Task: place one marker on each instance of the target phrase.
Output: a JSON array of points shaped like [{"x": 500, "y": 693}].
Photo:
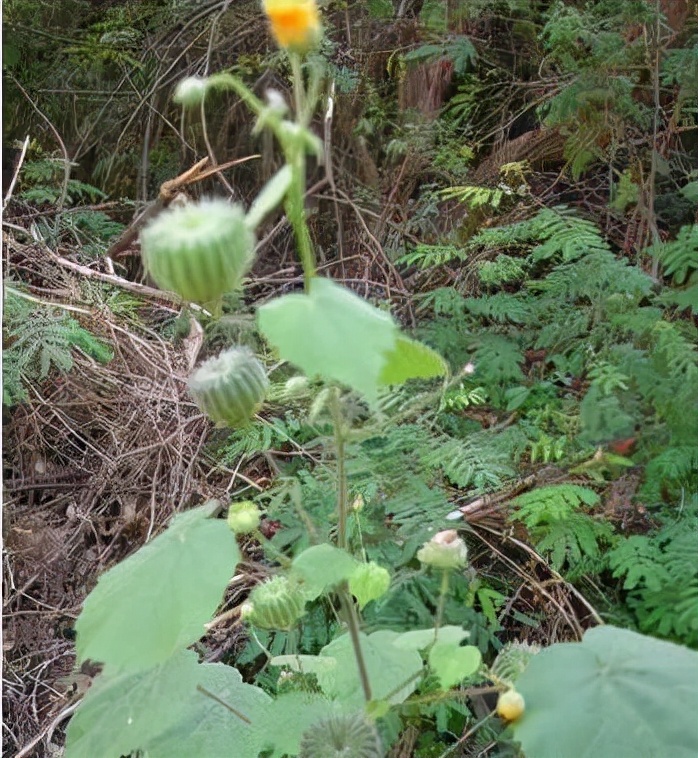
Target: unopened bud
[
  {"x": 445, "y": 550},
  {"x": 190, "y": 91},
  {"x": 243, "y": 517}
]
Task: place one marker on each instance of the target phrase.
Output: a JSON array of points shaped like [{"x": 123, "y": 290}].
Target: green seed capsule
[
  {"x": 276, "y": 604},
  {"x": 348, "y": 736},
  {"x": 231, "y": 387},
  {"x": 200, "y": 251}
]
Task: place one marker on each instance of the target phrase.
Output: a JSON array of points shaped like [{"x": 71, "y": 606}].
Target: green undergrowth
[{"x": 571, "y": 360}]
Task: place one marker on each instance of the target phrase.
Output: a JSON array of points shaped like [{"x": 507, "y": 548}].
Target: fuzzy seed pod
[
  {"x": 200, "y": 251},
  {"x": 512, "y": 661},
  {"x": 276, "y": 604},
  {"x": 230, "y": 388},
  {"x": 351, "y": 736}
]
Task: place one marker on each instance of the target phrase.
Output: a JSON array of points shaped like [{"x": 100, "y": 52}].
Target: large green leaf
[
  {"x": 157, "y": 601},
  {"x": 391, "y": 670},
  {"x": 616, "y": 694},
  {"x": 320, "y": 567},
  {"x": 161, "y": 713},
  {"x": 332, "y": 333},
  {"x": 411, "y": 360}
]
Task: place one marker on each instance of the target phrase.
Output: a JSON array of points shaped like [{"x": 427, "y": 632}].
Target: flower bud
[
  {"x": 190, "y": 91},
  {"x": 243, "y": 517},
  {"x": 369, "y": 581},
  {"x": 510, "y": 705},
  {"x": 445, "y": 550}
]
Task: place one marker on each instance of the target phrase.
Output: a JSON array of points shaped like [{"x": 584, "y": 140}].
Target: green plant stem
[
  {"x": 295, "y": 210},
  {"x": 298, "y": 88},
  {"x": 295, "y": 155},
  {"x": 348, "y": 607},
  {"x": 352, "y": 619},
  {"x": 222, "y": 702},
  {"x": 342, "y": 495},
  {"x": 272, "y": 550},
  {"x": 443, "y": 593}
]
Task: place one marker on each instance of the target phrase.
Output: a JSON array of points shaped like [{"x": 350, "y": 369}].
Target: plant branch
[
  {"x": 342, "y": 495},
  {"x": 352, "y": 619}
]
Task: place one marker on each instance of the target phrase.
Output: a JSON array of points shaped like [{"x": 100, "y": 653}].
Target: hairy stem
[
  {"x": 342, "y": 494},
  {"x": 295, "y": 210},
  {"x": 443, "y": 593},
  {"x": 352, "y": 619},
  {"x": 295, "y": 155}
]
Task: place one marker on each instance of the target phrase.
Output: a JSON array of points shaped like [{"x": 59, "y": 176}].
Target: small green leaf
[
  {"x": 332, "y": 333},
  {"x": 419, "y": 639},
  {"x": 616, "y": 693},
  {"x": 157, "y": 601},
  {"x": 452, "y": 663},
  {"x": 319, "y": 567},
  {"x": 160, "y": 713},
  {"x": 270, "y": 197},
  {"x": 411, "y": 360},
  {"x": 516, "y": 397}
]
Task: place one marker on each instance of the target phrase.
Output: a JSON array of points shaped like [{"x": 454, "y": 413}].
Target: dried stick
[{"x": 18, "y": 167}]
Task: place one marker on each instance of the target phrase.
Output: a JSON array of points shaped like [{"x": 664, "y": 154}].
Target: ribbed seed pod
[
  {"x": 349, "y": 736},
  {"x": 276, "y": 604},
  {"x": 512, "y": 661},
  {"x": 231, "y": 387},
  {"x": 199, "y": 250}
]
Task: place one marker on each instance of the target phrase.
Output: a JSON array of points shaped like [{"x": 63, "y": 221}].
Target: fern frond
[
  {"x": 430, "y": 256},
  {"x": 593, "y": 277},
  {"x": 41, "y": 339},
  {"x": 443, "y": 301},
  {"x": 259, "y": 437},
  {"x": 476, "y": 197},
  {"x": 482, "y": 462},
  {"x": 545, "y": 504},
  {"x": 566, "y": 236},
  {"x": 675, "y": 466},
  {"x": 501, "y": 307},
  {"x": 679, "y": 258},
  {"x": 673, "y": 350},
  {"x": 569, "y": 541},
  {"x": 498, "y": 360},
  {"x": 636, "y": 560},
  {"x": 503, "y": 270},
  {"x": 568, "y": 537}
]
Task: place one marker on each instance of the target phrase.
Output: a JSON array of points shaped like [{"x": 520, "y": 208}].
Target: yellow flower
[{"x": 295, "y": 24}]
